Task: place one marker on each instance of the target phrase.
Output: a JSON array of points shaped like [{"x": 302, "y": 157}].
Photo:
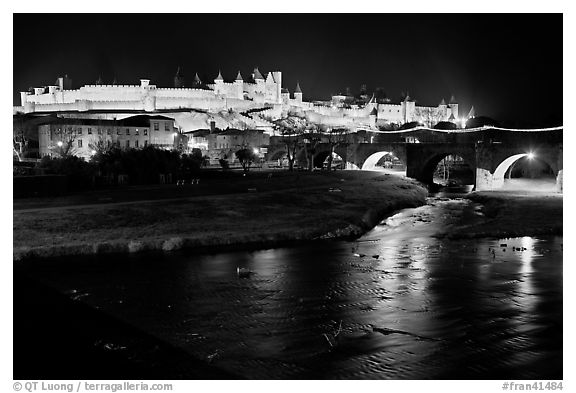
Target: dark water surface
[{"x": 397, "y": 303}]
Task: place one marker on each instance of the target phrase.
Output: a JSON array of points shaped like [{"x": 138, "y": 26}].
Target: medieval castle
[{"x": 256, "y": 100}]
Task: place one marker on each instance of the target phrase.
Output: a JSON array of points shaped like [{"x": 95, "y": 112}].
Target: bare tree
[
  {"x": 64, "y": 145},
  {"x": 336, "y": 136},
  {"x": 310, "y": 140},
  {"x": 100, "y": 143},
  {"x": 291, "y": 130},
  {"x": 19, "y": 138}
]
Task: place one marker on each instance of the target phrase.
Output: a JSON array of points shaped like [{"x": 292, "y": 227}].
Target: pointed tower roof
[
  {"x": 197, "y": 80},
  {"x": 407, "y": 97},
  {"x": 472, "y": 113},
  {"x": 178, "y": 72},
  {"x": 257, "y": 74},
  {"x": 451, "y": 118},
  {"x": 99, "y": 81},
  {"x": 270, "y": 78},
  {"x": 298, "y": 89},
  {"x": 114, "y": 82},
  {"x": 453, "y": 99},
  {"x": 219, "y": 77},
  {"x": 372, "y": 100},
  {"x": 443, "y": 102},
  {"x": 374, "y": 111},
  {"x": 239, "y": 76}
]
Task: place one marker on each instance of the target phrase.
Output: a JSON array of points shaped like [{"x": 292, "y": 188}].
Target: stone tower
[
  {"x": 179, "y": 79},
  {"x": 239, "y": 84},
  {"x": 298, "y": 93},
  {"x": 196, "y": 82},
  {"x": 453, "y": 105},
  {"x": 219, "y": 84},
  {"x": 259, "y": 80},
  {"x": 443, "y": 111}
]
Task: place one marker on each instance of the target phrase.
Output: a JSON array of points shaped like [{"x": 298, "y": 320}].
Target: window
[
  {"x": 166, "y": 126},
  {"x": 118, "y": 132},
  {"x": 79, "y": 142},
  {"x": 128, "y": 143},
  {"x": 127, "y": 131},
  {"x": 99, "y": 131},
  {"x": 109, "y": 131},
  {"x": 70, "y": 130},
  {"x": 79, "y": 130},
  {"x": 156, "y": 126},
  {"x": 145, "y": 143},
  {"x": 89, "y": 130},
  {"x": 145, "y": 131},
  {"x": 136, "y": 143}
]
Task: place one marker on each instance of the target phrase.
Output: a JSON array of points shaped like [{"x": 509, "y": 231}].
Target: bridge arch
[
  {"x": 500, "y": 172},
  {"x": 276, "y": 155},
  {"x": 426, "y": 172},
  {"x": 374, "y": 158}
]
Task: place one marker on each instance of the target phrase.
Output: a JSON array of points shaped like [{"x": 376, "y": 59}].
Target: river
[{"x": 400, "y": 302}]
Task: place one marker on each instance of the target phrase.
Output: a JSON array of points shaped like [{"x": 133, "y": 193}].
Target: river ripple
[{"x": 397, "y": 303}]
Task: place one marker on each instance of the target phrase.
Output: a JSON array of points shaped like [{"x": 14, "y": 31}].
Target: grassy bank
[
  {"x": 245, "y": 211},
  {"x": 512, "y": 214}
]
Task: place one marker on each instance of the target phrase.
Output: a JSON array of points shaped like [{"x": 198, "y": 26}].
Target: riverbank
[
  {"x": 511, "y": 214},
  {"x": 249, "y": 211},
  {"x": 62, "y": 338}
]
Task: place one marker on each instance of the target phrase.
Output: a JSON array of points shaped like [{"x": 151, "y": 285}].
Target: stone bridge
[{"x": 488, "y": 151}]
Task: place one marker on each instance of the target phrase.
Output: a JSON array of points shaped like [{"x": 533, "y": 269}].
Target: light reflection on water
[{"x": 411, "y": 305}]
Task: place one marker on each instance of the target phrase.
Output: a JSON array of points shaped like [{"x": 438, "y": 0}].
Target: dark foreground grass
[{"x": 303, "y": 206}]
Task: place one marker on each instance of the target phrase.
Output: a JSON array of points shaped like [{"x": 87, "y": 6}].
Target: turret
[
  {"x": 298, "y": 93},
  {"x": 178, "y": 79},
  {"x": 196, "y": 82},
  {"x": 285, "y": 96},
  {"x": 64, "y": 83},
  {"x": 442, "y": 110},
  {"x": 219, "y": 84},
  {"x": 373, "y": 117},
  {"x": 239, "y": 83},
  {"x": 408, "y": 108},
  {"x": 453, "y": 105},
  {"x": 259, "y": 79},
  {"x": 271, "y": 93},
  {"x": 278, "y": 78},
  {"x": 23, "y": 97}
]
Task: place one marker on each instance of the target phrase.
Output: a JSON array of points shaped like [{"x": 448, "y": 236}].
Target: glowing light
[
  {"x": 59, "y": 143},
  {"x": 175, "y": 134},
  {"x": 256, "y": 151},
  {"x": 531, "y": 156},
  {"x": 93, "y": 152}
]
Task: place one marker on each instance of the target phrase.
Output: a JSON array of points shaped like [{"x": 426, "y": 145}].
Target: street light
[
  {"x": 59, "y": 143},
  {"x": 531, "y": 156}
]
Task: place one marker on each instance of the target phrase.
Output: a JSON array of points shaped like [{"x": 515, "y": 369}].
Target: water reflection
[{"x": 410, "y": 305}]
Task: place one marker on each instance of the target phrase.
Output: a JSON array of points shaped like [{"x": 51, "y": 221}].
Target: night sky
[{"x": 508, "y": 66}]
